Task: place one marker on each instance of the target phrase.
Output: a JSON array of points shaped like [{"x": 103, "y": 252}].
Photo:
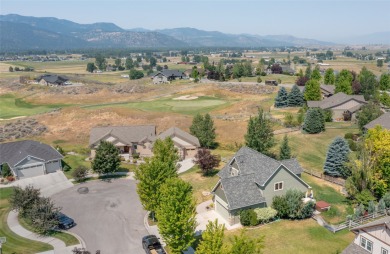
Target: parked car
[
  {"x": 152, "y": 245},
  {"x": 65, "y": 222}
]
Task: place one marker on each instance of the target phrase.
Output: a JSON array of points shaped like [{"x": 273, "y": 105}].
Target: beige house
[
  {"x": 186, "y": 144},
  {"x": 344, "y": 107},
  {"x": 383, "y": 120},
  {"x": 128, "y": 139},
  {"x": 373, "y": 237}
]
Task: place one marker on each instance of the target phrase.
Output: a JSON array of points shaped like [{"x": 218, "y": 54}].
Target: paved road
[{"x": 109, "y": 217}]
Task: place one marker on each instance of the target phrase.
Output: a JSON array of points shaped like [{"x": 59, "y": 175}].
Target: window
[
  {"x": 233, "y": 172},
  {"x": 278, "y": 186},
  {"x": 365, "y": 244},
  {"x": 384, "y": 251}
]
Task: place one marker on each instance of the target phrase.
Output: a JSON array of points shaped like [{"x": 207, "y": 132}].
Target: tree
[
  {"x": 384, "y": 82},
  {"x": 203, "y": 128},
  {"x": 11, "y": 69},
  {"x": 356, "y": 87},
  {"x": 80, "y": 173},
  {"x": 316, "y": 75},
  {"x": 129, "y": 64},
  {"x": 314, "y": 121},
  {"x": 135, "y": 74},
  {"x": 206, "y": 161},
  {"x": 43, "y": 215},
  {"x": 285, "y": 150},
  {"x": 5, "y": 170},
  {"x": 344, "y": 75},
  {"x": 243, "y": 244},
  {"x": 308, "y": 72},
  {"x": 22, "y": 200},
  {"x": 312, "y": 91},
  {"x": 368, "y": 83},
  {"x": 176, "y": 214},
  {"x": 212, "y": 239},
  {"x": 153, "y": 61},
  {"x": 368, "y": 113},
  {"x": 295, "y": 97},
  {"x": 343, "y": 86},
  {"x": 101, "y": 62},
  {"x": 166, "y": 152},
  {"x": 337, "y": 157},
  {"x": 91, "y": 67},
  {"x": 379, "y": 63},
  {"x": 329, "y": 77},
  {"x": 118, "y": 62},
  {"x": 276, "y": 69},
  {"x": 281, "y": 99},
  {"x": 106, "y": 159},
  {"x": 259, "y": 136},
  {"x": 301, "y": 81}
]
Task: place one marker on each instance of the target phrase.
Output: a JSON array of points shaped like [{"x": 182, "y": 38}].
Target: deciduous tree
[
  {"x": 368, "y": 113},
  {"x": 91, "y": 67},
  {"x": 384, "y": 82},
  {"x": 106, "y": 159},
  {"x": 312, "y": 91},
  {"x": 243, "y": 244},
  {"x": 212, "y": 239},
  {"x": 368, "y": 83},
  {"x": 101, "y": 62},
  {"x": 206, "y": 161},
  {"x": 135, "y": 74}
]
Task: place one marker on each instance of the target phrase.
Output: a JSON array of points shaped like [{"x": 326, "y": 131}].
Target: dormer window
[{"x": 233, "y": 172}]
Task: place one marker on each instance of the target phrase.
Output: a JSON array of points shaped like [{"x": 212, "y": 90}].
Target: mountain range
[{"x": 25, "y": 33}]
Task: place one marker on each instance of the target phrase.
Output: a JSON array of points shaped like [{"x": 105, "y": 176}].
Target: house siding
[
  {"x": 379, "y": 236},
  {"x": 145, "y": 150},
  {"x": 220, "y": 193},
  {"x": 289, "y": 182}
]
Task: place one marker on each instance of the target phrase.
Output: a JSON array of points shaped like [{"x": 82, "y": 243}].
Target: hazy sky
[{"x": 317, "y": 19}]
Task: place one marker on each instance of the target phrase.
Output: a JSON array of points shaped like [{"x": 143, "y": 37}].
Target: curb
[
  {"x": 81, "y": 240},
  {"x": 146, "y": 224}
]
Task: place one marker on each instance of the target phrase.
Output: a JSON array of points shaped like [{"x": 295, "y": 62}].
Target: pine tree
[
  {"x": 281, "y": 98},
  {"x": 5, "y": 170},
  {"x": 316, "y": 75},
  {"x": 212, "y": 239},
  {"x": 107, "y": 158},
  {"x": 312, "y": 90},
  {"x": 176, "y": 214},
  {"x": 329, "y": 77},
  {"x": 336, "y": 157},
  {"x": 285, "y": 150},
  {"x": 314, "y": 121},
  {"x": 260, "y": 136},
  {"x": 295, "y": 97}
]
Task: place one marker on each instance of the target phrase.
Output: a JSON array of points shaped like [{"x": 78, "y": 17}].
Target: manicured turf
[
  {"x": 16, "y": 244},
  {"x": 14, "y": 107},
  {"x": 202, "y": 104}
]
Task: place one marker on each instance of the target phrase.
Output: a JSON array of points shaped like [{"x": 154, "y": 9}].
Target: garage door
[
  {"x": 30, "y": 171},
  {"x": 222, "y": 211}
]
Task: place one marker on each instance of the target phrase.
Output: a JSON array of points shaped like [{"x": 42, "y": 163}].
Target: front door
[{"x": 126, "y": 149}]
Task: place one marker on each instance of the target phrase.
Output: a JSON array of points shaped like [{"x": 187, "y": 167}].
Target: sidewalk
[{"x": 58, "y": 245}]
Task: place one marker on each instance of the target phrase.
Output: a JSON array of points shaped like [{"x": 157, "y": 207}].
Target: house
[
  {"x": 186, "y": 144},
  {"x": 30, "y": 158},
  {"x": 343, "y": 106},
  {"x": 251, "y": 180},
  {"x": 327, "y": 90},
  {"x": 373, "y": 237},
  {"x": 383, "y": 120},
  {"x": 52, "y": 80},
  {"x": 165, "y": 76},
  {"x": 128, "y": 139}
]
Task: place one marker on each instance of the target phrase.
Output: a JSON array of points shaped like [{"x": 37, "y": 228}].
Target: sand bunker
[{"x": 186, "y": 98}]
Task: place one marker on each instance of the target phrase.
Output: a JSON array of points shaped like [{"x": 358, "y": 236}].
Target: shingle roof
[
  {"x": 53, "y": 78},
  {"x": 170, "y": 73},
  {"x": 384, "y": 221},
  {"x": 328, "y": 88},
  {"x": 174, "y": 131},
  {"x": 14, "y": 152},
  {"x": 127, "y": 134},
  {"x": 354, "y": 249},
  {"x": 335, "y": 100},
  {"x": 383, "y": 120}
]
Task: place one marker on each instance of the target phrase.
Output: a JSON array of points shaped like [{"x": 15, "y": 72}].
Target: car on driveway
[
  {"x": 64, "y": 222},
  {"x": 152, "y": 245}
]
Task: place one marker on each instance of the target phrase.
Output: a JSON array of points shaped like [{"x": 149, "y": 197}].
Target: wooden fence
[{"x": 331, "y": 179}]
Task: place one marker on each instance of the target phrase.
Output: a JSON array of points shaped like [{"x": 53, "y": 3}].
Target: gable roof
[
  {"x": 14, "y": 152},
  {"x": 383, "y": 221},
  {"x": 174, "y": 131},
  {"x": 170, "y": 73},
  {"x": 328, "y": 88},
  {"x": 335, "y": 100},
  {"x": 383, "y": 120},
  {"x": 127, "y": 134},
  {"x": 50, "y": 78}
]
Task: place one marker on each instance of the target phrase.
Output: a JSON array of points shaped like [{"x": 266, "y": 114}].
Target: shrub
[
  {"x": 348, "y": 135},
  {"x": 328, "y": 114},
  {"x": 352, "y": 145},
  {"x": 289, "y": 120},
  {"x": 10, "y": 178},
  {"x": 80, "y": 173},
  {"x": 5, "y": 170},
  {"x": 279, "y": 203},
  {"x": 66, "y": 168},
  {"x": 265, "y": 215},
  {"x": 386, "y": 199},
  {"x": 307, "y": 210},
  {"x": 291, "y": 206},
  {"x": 259, "y": 80},
  {"x": 135, "y": 155},
  {"x": 364, "y": 197},
  {"x": 359, "y": 211},
  {"x": 248, "y": 218}
]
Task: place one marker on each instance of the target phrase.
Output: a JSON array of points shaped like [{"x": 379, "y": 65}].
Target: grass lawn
[
  {"x": 16, "y": 244},
  {"x": 304, "y": 236},
  {"x": 202, "y": 104},
  {"x": 74, "y": 161},
  {"x": 14, "y": 107}
]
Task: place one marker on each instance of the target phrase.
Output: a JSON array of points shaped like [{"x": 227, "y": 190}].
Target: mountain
[{"x": 374, "y": 38}]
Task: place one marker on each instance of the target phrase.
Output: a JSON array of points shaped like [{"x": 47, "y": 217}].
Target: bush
[
  {"x": 265, "y": 215},
  {"x": 248, "y": 218},
  {"x": 5, "y": 170},
  {"x": 259, "y": 80},
  {"x": 352, "y": 145},
  {"x": 279, "y": 203},
  {"x": 66, "y": 168},
  {"x": 80, "y": 173},
  {"x": 364, "y": 197},
  {"x": 386, "y": 199},
  {"x": 328, "y": 115},
  {"x": 348, "y": 135},
  {"x": 135, "y": 155},
  {"x": 290, "y": 206},
  {"x": 307, "y": 210}
]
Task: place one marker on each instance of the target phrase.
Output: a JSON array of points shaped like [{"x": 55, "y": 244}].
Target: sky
[{"x": 330, "y": 20}]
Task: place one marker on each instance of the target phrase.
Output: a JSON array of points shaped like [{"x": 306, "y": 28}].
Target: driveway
[{"x": 109, "y": 218}]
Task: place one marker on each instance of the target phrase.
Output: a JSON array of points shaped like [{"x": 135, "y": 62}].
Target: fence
[{"x": 331, "y": 179}]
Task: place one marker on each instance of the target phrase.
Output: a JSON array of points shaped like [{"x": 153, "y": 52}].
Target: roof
[
  {"x": 174, "y": 131},
  {"x": 170, "y": 73},
  {"x": 335, "y": 100},
  {"x": 354, "y": 249},
  {"x": 328, "y": 88},
  {"x": 14, "y": 152},
  {"x": 127, "y": 134},
  {"x": 53, "y": 78},
  {"x": 322, "y": 204},
  {"x": 383, "y": 120},
  {"x": 383, "y": 221},
  {"x": 255, "y": 169}
]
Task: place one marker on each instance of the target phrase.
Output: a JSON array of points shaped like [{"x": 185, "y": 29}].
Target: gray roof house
[
  {"x": 383, "y": 120},
  {"x": 30, "y": 158},
  {"x": 343, "y": 106},
  {"x": 251, "y": 180},
  {"x": 165, "y": 76},
  {"x": 327, "y": 90},
  {"x": 373, "y": 237},
  {"x": 52, "y": 80}
]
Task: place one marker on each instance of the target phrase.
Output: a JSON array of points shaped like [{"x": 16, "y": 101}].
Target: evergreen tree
[
  {"x": 5, "y": 170},
  {"x": 106, "y": 159},
  {"x": 91, "y": 67},
  {"x": 308, "y": 72},
  {"x": 329, "y": 77},
  {"x": 295, "y": 97},
  {"x": 285, "y": 150},
  {"x": 203, "y": 128},
  {"x": 212, "y": 239},
  {"x": 260, "y": 136},
  {"x": 316, "y": 75},
  {"x": 336, "y": 157},
  {"x": 129, "y": 64},
  {"x": 312, "y": 90},
  {"x": 281, "y": 98},
  {"x": 176, "y": 214},
  {"x": 314, "y": 121}
]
